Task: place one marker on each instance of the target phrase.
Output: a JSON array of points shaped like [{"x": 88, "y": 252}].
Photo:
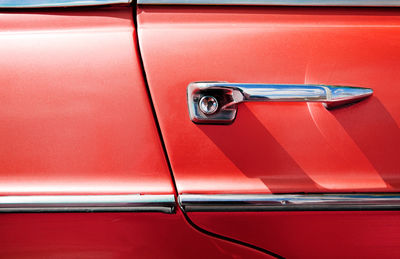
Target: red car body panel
[
  {"x": 312, "y": 234},
  {"x": 282, "y": 147},
  {"x": 110, "y": 235},
  {"x": 277, "y": 147},
  {"x": 75, "y": 117}
]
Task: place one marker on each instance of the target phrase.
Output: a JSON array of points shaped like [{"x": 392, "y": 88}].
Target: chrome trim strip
[
  {"x": 57, "y": 3},
  {"x": 288, "y": 202},
  {"x": 366, "y": 3},
  {"x": 88, "y": 203}
]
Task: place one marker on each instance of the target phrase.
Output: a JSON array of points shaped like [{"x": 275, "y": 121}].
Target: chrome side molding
[
  {"x": 57, "y": 3},
  {"x": 88, "y": 203},
  {"x": 198, "y": 202},
  {"x": 216, "y": 102},
  {"x": 366, "y": 3},
  {"x": 288, "y": 202}
]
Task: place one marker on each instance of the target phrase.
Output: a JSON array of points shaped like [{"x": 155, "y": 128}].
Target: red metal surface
[
  {"x": 277, "y": 147},
  {"x": 75, "y": 119},
  {"x": 74, "y": 113},
  {"x": 110, "y": 235},
  {"x": 350, "y": 234}
]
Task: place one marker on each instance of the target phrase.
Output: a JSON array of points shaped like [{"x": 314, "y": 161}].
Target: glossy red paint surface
[
  {"x": 110, "y": 235},
  {"x": 342, "y": 234},
  {"x": 277, "y": 147},
  {"x": 74, "y": 113},
  {"x": 75, "y": 119}
]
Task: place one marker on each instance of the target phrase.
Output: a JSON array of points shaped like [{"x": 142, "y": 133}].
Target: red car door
[
  {"x": 294, "y": 178},
  {"x": 82, "y": 168}
]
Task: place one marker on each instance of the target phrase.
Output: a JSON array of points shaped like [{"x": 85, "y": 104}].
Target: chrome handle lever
[{"x": 216, "y": 102}]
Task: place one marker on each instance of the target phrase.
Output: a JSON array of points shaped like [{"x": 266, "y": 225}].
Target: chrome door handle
[{"x": 216, "y": 102}]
